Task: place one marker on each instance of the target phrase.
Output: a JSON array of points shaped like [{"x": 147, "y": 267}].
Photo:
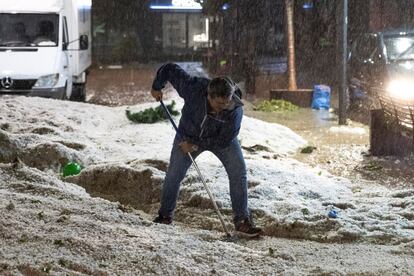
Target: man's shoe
[
  {"x": 163, "y": 220},
  {"x": 246, "y": 228}
]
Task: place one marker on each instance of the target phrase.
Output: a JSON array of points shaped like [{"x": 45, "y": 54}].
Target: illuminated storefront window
[{"x": 176, "y": 5}]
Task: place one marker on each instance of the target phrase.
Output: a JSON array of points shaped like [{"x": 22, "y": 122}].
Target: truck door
[
  {"x": 374, "y": 68},
  {"x": 66, "y": 58},
  {"x": 364, "y": 63}
]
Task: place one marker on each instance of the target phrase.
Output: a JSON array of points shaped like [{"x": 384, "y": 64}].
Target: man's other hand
[
  {"x": 156, "y": 94},
  {"x": 188, "y": 147}
]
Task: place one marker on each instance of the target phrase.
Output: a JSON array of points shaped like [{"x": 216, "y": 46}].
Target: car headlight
[
  {"x": 47, "y": 81},
  {"x": 402, "y": 89}
]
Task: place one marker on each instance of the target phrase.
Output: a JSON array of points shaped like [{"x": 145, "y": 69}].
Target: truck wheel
[
  {"x": 64, "y": 97},
  {"x": 78, "y": 93}
]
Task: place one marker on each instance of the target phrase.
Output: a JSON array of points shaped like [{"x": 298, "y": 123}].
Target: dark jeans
[{"x": 232, "y": 159}]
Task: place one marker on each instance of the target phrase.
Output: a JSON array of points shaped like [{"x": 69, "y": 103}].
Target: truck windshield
[
  {"x": 29, "y": 30},
  {"x": 400, "y": 48}
]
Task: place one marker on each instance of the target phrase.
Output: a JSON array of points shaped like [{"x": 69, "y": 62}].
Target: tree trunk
[{"x": 291, "y": 45}]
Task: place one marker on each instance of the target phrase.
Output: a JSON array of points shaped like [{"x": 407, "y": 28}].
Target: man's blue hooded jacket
[{"x": 196, "y": 125}]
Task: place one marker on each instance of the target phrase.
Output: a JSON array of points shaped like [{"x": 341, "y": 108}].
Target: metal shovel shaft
[
  {"x": 210, "y": 195},
  {"x": 200, "y": 175}
]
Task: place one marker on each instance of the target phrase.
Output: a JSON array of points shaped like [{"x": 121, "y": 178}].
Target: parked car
[
  {"x": 45, "y": 47},
  {"x": 381, "y": 61}
]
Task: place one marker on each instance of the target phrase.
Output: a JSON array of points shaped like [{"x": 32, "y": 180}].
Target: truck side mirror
[{"x": 83, "y": 42}]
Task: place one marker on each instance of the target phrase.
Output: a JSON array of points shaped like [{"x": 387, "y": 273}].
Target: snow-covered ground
[{"x": 85, "y": 224}]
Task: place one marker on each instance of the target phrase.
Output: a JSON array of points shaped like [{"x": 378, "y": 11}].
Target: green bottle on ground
[{"x": 71, "y": 168}]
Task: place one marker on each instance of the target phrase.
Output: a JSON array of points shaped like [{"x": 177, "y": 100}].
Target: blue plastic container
[
  {"x": 332, "y": 214},
  {"x": 321, "y": 98}
]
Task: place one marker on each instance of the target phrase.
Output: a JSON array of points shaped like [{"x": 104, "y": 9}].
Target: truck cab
[
  {"x": 382, "y": 61},
  {"x": 45, "y": 47}
]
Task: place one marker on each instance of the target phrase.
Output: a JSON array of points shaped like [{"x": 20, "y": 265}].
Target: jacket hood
[{"x": 236, "y": 100}]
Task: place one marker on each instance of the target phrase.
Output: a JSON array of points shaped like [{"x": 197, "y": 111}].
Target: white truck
[{"x": 45, "y": 47}]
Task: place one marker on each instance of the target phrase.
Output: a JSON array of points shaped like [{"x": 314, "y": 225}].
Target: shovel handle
[{"x": 169, "y": 117}]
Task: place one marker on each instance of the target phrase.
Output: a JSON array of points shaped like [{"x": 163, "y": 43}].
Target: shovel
[{"x": 201, "y": 176}]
